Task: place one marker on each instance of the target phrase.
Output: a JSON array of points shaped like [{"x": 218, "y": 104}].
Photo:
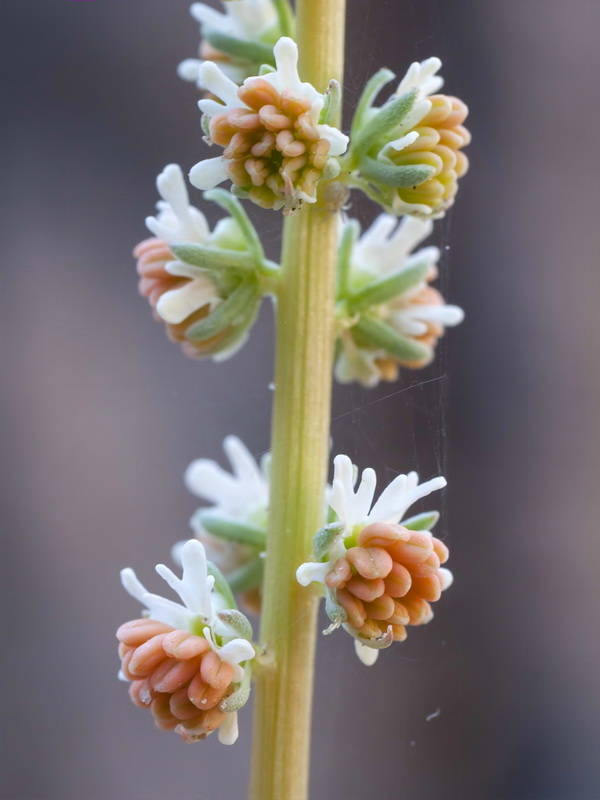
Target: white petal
[
  {"x": 237, "y": 651},
  {"x": 211, "y": 107},
  {"x": 206, "y": 15},
  {"x": 402, "y": 492},
  {"x": 286, "y": 59},
  {"x": 188, "y": 69},
  {"x": 447, "y": 316},
  {"x": 163, "y": 610},
  {"x": 422, "y": 76},
  {"x": 312, "y": 572},
  {"x": 356, "y": 364},
  {"x": 196, "y": 579},
  {"x": 132, "y": 585},
  {"x": 342, "y": 489},
  {"x": 446, "y": 577},
  {"x": 244, "y": 465},
  {"x": 176, "y": 305},
  {"x": 338, "y": 141},
  {"x": 378, "y": 232},
  {"x": 208, "y": 480},
  {"x": 208, "y": 173},
  {"x": 368, "y": 655},
  {"x": 213, "y": 80},
  {"x": 403, "y": 141},
  {"x": 361, "y": 502},
  {"x": 171, "y": 186},
  {"x": 228, "y": 729},
  {"x": 415, "y": 115}
]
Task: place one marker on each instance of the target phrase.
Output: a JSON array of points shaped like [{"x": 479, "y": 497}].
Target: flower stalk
[{"x": 300, "y": 452}]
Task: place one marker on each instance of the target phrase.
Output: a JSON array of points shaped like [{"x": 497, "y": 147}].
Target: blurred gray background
[{"x": 102, "y": 414}]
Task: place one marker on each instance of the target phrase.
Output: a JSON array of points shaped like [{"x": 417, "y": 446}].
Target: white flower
[
  {"x": 242, "y": 494},
  {"x": 245, "y": 19},
  {"x": 386, "y": 249},
  {"x": 199, "y": 607},
  {"x": 422, "y": 76},
  {"x": 387, "y": 246},
  {"x": 285, "y": 78},
  {"x": 355, "y": 509},
  {"x": 177, "y": 221},
  {"x": 197, "y": 613},
  {"x": 346, "y": 567},
  {"x": 250, "y": 20}
]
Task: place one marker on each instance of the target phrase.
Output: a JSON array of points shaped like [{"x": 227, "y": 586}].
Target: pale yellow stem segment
[{"x": 300, "y": 448}]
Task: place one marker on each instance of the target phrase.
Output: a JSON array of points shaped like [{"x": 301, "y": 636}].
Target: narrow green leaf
[
  {"x": 333, "y": 99},
  {"x": 228, "y": 313},
  {"x": 214, "y": 258},
  {"x": 373, "y": 87},
  {"x": 231, "y": 530},
  {"x": 231, "y": 204},
  {"x": 247, "y": 577},
  {"x": 400, "y": 177},
  {"x": 325, "y": 537},
  {"x": 386, "y": 289},
  {"x": 237, "y": 699},
  {"x": 388, "y": 117},
  {"x": 221, "y": 585},
  {"x": 377, "y": 335},
  {"x": 238, "y": 622},
  {"x": 240, "y": 697},
  {"x": 243, "y": 49},
  {"x": 336, "y": 614},
  {"x": 421, "y": 522},
  {"x": 228, "y": 344}
]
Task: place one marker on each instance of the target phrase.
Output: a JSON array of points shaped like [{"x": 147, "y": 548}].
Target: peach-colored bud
[
  {"x": 419, "y": 610},
  {"x": 176, "y": 675},
  {"x": 399, "y": 581},
  {"x": 274, "y": 151},
  {"x": 153, "y": 256},
  {"x": 428, "y": 567},
  {"x": 364, "y": 589},
  {"x": 353, "y": 607},
  {"x": 184, "y": 645},
  {"x": 414, "y": 551},
  {"x": 370, "y": 562},
  {"x": 381, "y": 609},
  {"x": 429, "y": 588},
  {"x": 440, "y": 137},
  {"x": 380, "y": 534},
  {"x": 138, "y": 631},
  {"x": 389, "y": 579},
  {"x": 339, "y": 575}
]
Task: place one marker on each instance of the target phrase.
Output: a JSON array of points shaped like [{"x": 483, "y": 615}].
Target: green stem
[{"x": 300, "y": 453}]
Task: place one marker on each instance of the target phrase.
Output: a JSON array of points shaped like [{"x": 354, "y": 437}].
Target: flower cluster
[
  {"x": 201, "y": 284},
  {"x": 188, "y": 663},
  {"x": 276, "y": 148},
  {"x": 380, "y": 574},
  {"x": 388, "y": 313},
  {"x": 407, "y": 154},
  {"x": 241, "y": 39},
  {"x": 233, "y": 528}
]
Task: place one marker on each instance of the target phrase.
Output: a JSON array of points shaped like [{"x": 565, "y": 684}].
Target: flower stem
[{"x": 300, "y": 453}]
